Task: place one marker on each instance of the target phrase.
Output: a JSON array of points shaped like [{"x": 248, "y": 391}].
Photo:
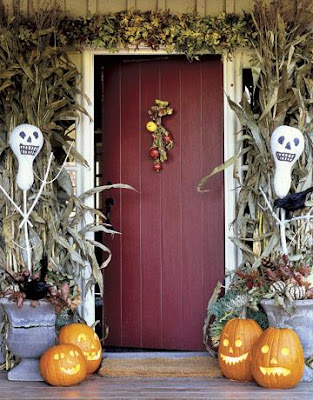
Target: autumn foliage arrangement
[
  {"x": 162, "y": 139},
  {"x": 283, "y": 279}
]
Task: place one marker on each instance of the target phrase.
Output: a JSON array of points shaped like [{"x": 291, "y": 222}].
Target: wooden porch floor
[{"x": 96, "y": 388}]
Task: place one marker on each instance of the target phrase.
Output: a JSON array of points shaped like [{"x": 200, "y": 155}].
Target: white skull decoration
[
  {"x": 287, "y": 144},
  {"x": 26, "y": 141}
]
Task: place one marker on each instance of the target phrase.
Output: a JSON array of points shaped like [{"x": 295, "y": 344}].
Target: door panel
[
  {"x": 171, "y": 251},
  {"x": 151, "y": 220}
]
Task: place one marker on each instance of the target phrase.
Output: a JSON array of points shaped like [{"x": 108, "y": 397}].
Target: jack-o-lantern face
[
  {"x": 87, "y": 340},
  {"x": 236, "y": 342},
  {"x": 63, "y": 365},
  {"x": 278, "y": 359}
]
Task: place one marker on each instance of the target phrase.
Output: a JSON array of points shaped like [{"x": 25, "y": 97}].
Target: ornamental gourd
[
  {"x": 234, "y": 354},
  {"x": 87, "y": 340},
  {"x": 278, "y": 360},
  {"x": 63, "y": 365}
]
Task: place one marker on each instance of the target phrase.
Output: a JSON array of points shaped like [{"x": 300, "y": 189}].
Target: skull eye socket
[
  {"x": 36, "y": 134},
  {"x": 281, "y": 139},
  {"x": 296, "y": 141},
  {"x": 238, "y": 343},
  {"x": 285, "y": 351},
  {"x": 22, "y": 135},
  {"x": 225, "y": 342},
  {"x": 265, "y": 349}
]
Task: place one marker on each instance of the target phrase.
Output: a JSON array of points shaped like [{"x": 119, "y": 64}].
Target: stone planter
[
  {"x": 31, "y": 333},
  {"x": 301, "y": 322}
]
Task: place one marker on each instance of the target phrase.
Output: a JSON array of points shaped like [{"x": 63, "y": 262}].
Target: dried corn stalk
[{"x": 282, "y": 67}]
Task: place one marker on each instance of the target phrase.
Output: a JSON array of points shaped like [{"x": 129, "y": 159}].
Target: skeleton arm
[{"x": 14, "y": 204}]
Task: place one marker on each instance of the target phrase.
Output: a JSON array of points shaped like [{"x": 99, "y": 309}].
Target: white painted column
[
  {"x": 85, "y": 176},
  {"x": 233, "y": 88}
]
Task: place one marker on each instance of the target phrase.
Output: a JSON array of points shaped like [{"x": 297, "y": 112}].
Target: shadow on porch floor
[{"x": 97, "y": 388}]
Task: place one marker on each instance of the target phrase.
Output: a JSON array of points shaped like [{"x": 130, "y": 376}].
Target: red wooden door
[{"x": 171, "y": 251}]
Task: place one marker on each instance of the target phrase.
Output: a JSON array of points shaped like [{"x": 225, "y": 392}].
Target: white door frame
[{"x": 232, "y": 85}]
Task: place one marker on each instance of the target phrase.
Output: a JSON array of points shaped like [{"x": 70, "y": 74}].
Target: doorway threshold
[{"x": 154, "y": 354}]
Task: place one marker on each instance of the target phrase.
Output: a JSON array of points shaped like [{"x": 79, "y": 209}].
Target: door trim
[{"x": 232, "y": 84}]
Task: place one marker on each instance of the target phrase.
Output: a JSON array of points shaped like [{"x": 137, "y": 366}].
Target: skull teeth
[
  {"x": 28, "y": 149},
  {"x": 289, "y": 157}
]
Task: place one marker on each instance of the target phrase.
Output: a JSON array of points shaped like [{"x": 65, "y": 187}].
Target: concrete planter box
[
  {"x": 301, "y": 322},
  {"x": 31, "y": 333}
]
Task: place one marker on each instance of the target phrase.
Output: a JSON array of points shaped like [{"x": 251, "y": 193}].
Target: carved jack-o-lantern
[
  {"x": 236, "y": 342},
  {"x": 278, "y": 360},
  {"x": 63, "y": 365},
  {"x": 87, "y": 340},
  {"x": 287, "y": 145}
]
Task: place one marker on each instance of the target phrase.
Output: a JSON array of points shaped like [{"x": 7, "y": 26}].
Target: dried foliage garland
[
  {"x": 162, "y": 139},
  {"x": 189, "y": 33}
]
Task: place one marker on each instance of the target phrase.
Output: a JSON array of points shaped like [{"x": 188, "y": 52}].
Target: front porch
[{"x": 95, "y": 388}]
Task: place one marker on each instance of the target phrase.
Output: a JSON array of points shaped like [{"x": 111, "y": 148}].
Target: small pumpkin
[
  {"x": 87, "y": 340},
  {"x": 278, "y": 360},
  {"x": 235, "y": 350},
  {"x": 63, "y": 365}
]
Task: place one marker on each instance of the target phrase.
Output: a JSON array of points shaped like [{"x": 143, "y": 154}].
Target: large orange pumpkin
[
  {"x": 235, "y": 350},
  {"x": 278, "y": 360},
  {"x": 63, "y": 365},
  {"x": 87, "y": 340}
]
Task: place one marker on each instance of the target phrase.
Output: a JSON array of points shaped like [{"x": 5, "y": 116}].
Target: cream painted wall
[{"x": 83, "y": 7}]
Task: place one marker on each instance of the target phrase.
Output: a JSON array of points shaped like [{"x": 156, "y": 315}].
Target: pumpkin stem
[{"x": 243, "y": 313}]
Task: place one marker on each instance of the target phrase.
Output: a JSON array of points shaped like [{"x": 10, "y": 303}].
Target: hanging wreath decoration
[{"x": 162, "y": 139}]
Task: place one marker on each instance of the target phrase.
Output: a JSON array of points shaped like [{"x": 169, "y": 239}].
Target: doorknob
[{"x": 109, "y": 202}]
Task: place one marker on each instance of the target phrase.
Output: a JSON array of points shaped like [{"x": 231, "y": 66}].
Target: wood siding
[{"x": 85, "y": 7}]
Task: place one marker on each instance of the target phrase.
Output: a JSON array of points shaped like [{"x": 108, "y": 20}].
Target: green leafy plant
[{"x": 223, "y": 308}]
